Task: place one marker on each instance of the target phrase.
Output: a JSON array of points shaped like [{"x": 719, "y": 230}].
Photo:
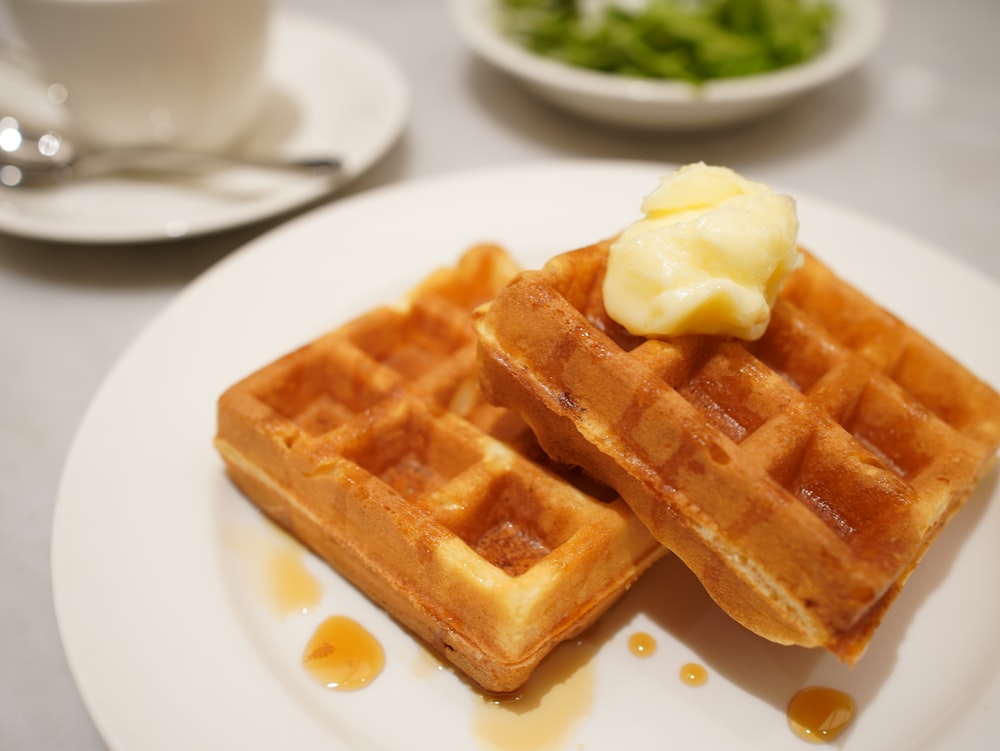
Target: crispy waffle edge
[
  {"x": 309, "y": 440},
  {"x": 740, "y": 458}
]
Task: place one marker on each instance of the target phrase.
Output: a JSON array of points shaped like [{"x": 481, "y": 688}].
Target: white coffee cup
[{"x": 186, "y": 73}]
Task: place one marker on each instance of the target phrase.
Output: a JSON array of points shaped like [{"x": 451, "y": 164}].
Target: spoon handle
[
  {"x": 153, "y": 159},
  {"x": 15, "y": 172}
]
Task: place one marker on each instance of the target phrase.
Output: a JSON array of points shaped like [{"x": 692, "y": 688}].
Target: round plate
[
  {"x": 156, "y": 558},
  {"x": 313, "y": 106},
  {"x": 670, "y": 105}
]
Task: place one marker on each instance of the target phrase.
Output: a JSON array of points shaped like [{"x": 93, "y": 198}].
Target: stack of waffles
[
  {"x": 375, "y": 447},
  {"x": 801, "y": 477}
]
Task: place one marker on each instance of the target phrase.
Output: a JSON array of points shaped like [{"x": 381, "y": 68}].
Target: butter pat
[{"x": 709, "y": 257}]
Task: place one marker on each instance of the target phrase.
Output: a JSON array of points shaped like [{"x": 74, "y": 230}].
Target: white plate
[
  {"x": 670, "y": 105},
  {"x": 173, "y": 646},
  {"x": 330, "y": 91}
]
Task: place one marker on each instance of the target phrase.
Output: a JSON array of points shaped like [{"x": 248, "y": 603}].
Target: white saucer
[{"x": 330, "y": 91}]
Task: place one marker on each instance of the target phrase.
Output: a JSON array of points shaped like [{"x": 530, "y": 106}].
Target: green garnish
[{"x": 693, "y": 40}]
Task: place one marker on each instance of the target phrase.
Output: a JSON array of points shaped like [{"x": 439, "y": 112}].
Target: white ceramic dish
[
  {"x": 330, "y": 91},
  {"x": 670, "y": 105},
  {"x": 173, "y": 646}
]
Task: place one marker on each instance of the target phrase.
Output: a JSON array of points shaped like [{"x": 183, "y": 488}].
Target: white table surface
[{"x": 914, "y": 139}]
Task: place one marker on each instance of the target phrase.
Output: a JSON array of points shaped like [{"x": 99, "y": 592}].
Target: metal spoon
[{"x": 47, "y": 159}]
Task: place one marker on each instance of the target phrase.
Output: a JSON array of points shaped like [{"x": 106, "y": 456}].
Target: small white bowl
[{"x": 671, "y": 105}]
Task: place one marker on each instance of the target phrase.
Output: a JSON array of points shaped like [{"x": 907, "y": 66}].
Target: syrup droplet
[
  {"x": 275, "y": 568},
  {"x": 342, "y": 654},
  {"x": 425, "y": 663},
  {"x": 819, "y": 714},
  {"x": 292, "y": 587},
  {"x": 641, "y": 644},
  {"x": 694, "y": 674},
  {"x": 559, "y": 694}
]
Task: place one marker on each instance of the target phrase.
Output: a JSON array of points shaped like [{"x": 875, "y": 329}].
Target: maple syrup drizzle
[
  {"x": 694, "y": 674},
  {"x": 819, "y": 715},
  {"x": 343, "y": 655},
  {"x": 559, "y": 694},
  {"x": 292, "y": 588},
  {"x": 275, "y": 567},
  {"x": 641, "y": 644},
  {"x": 425, "y": 663}
]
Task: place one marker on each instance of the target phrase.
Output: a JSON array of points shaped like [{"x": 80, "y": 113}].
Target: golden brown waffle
[
  {"x": 374, "y": 446},
  {"x": 801, "y": 477}
]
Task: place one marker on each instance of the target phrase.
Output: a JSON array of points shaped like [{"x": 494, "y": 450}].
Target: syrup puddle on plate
[
  {"x": 694, "y": 674},
  {"x": 425, "y": 663},
  {"x": 549, "y": 708},
  {"x": 343, "y": 655},
  {"x": 274, "y": 565},
  {"x": 819, "y": 715},
  {"x": 641, "y": 644}
]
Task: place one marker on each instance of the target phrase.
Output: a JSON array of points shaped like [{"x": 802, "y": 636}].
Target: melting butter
[{"x": 709, "y": 256}]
